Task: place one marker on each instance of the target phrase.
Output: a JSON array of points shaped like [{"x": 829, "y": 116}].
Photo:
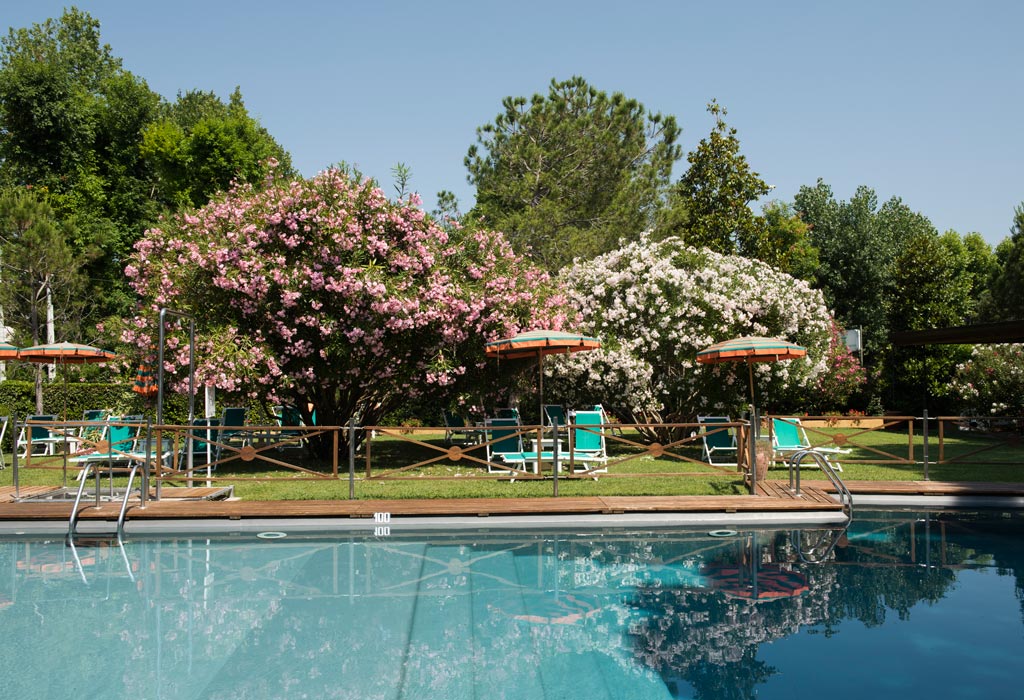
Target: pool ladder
[
  {"x": 95, "y": 470},
  {"x": 845, "y": 497}
]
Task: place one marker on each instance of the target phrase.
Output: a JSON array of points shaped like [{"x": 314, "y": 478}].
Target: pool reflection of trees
[
  {"x": 878, "y": 568},
  {"x": 263, "y": 619}
]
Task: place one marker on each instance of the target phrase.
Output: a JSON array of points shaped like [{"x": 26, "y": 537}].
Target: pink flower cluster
[{"x": 323, "y": 287}]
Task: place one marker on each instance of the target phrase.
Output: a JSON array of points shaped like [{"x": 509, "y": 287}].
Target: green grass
[{"x": 652, "y": 476}]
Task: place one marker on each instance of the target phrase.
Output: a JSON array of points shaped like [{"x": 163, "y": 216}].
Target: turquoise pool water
[{"x": 905, "y": 605}]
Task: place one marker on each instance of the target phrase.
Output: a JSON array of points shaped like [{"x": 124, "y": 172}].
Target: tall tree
[
  {"x": 70, "y": 123},
  {"x": 932, "y": 287},
  {"x": 1007, "y": 287},
  {"x": 202, "y": 145},
  {"x": 717, "y": 191},
  {"x": 39, "y": 278},
  {"x": 783, "y": 242},
  {"x": 567, "y": 174},
  {"x": 857, "y": 242}
]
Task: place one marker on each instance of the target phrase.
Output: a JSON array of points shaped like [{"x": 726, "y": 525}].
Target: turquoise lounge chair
[
  {"x": 553, "y": 412},
  {"x": 588, "y": 443},
  {"x": 289, "y": 416},
  {"x": 120, "y": 449},
  {"x": 788, "y": 437},
  {"x": 504, "y": 442},
  {"x": 231, "y": 418},
  {"x": 456, "y": 430},
  {"x": 43, "y": 440},
  {"x": 509, "y": 413},
  {"x": 719, "y": 442}
]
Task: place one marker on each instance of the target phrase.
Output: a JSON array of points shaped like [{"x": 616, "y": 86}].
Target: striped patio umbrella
[
  {"x": 64, "y": 354},
  {"x": 8, "y": 352},
  {"x": 145, "y": 382},
  {"x": 540, "y": 343},
  {"x": 750, "y": 349}
]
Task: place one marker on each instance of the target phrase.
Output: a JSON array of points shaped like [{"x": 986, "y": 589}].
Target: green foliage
[
  {"x": 857, "y": 242},
  {"x": 18, "y": 398},
  {"x": 70, "y": 118},
  {"x": 567, "y": 174},
  {"x": 991, "y": 382},
  {"x": 1007, "y": 286},
  {"x": 783, "y": 242},
  {"x": 202, "y": 145},
  {"x": 934, "y": 285},
  {"x": 717, "y": 191},
  {"x": 37, "y": 264}
]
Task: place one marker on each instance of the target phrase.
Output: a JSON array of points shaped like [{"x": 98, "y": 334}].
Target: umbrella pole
[
  {"x": 750, "y": 370},
  {"x": 540, "y": 371}
]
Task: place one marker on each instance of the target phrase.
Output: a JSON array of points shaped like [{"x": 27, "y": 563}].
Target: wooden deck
[{"x": 773, "y": 497}]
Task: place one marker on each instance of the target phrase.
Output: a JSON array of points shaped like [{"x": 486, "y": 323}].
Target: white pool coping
[{"x": 412, "y": 524}]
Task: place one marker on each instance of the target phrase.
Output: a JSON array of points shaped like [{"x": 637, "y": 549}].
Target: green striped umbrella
[
  {"x": 64, "y": 354},
  {"x": 539, "y": 343},
  {"x": 750, "y": 349},
  {"x": 8, "y": 352}
]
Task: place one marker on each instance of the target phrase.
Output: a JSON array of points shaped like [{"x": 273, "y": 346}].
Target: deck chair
[
  {"x": 554, "y": 411},
  {"x": 289, "y": 416},
  {"x": 504, "y": 443},
  {"x": 120, "y": 449},
  {"x": 456, "y": 430},
  {"x": 719, "y": 443},
  {"x": 93, "y": 433},
  {"x": 231, "y": 418},
  {"x": 43, "y": 440},
  {"x": 788, "y": 436},
  {"x": 509, "y": 413},
  {"x": 588, "y": 443},
  {"x": 203, "y": 449}
]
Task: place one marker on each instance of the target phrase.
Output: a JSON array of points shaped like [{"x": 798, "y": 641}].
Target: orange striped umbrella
[
  {"x": 751, "y": 349},
  {"x": 65, "y": 354},
  {"x": 145, "y": 384},
  {"x": 539, "y": 343}
]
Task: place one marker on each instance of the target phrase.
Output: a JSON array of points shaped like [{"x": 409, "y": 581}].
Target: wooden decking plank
[{"x": 774, "y": 496}]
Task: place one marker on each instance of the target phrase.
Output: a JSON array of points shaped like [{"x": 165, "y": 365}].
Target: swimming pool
[{"x": 907, "y": 604}]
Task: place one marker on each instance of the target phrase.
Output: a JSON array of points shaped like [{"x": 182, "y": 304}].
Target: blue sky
[{"x": 921, "y": 100}]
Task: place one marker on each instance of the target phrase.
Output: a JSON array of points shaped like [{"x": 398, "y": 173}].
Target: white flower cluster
[{"x": 655, "y": 304}]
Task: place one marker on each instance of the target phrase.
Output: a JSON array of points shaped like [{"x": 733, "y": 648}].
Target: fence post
[
  {"x": 924, "y": 452},
  {"x": 554, "y": 451},
  {"x": 351, "y": 459},
  {"x": 751, "y": 452}
]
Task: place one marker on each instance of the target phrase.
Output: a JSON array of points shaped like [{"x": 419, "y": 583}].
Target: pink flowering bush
[
  {"x": 992, "y": 381},
  {"x": 655, "y": 304},
  {"x": 842, "y": 377},
  {"x": 324, "y": 292}
]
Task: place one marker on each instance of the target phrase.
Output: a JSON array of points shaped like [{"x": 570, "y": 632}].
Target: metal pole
[
  {"x": 924, "y": 453},
  {"x": 554, "y": 451},
  {"x": 146, "y": 465},
  {"x": 352, "y": 458},
  {"x": 14, "y": 455}
]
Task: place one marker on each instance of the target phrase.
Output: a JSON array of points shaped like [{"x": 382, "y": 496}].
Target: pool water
[{"x": 906, "y": 604}]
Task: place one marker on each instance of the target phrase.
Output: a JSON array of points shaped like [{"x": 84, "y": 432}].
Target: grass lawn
[{"x": 874, "y": 457}]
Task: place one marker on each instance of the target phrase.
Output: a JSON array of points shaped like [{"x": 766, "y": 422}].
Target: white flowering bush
[
  {"x": 655, "y": 304},
  {"x": 992, "y": 381}
]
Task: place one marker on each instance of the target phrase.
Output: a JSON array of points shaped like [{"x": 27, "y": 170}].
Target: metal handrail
[{"x": 845, "y": 497}]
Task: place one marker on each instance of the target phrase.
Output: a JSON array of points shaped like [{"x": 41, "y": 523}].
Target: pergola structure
[{"x": 1001, "y": 332}]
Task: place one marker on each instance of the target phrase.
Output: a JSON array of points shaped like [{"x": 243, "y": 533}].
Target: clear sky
[{"x": 921, "y": 100}]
